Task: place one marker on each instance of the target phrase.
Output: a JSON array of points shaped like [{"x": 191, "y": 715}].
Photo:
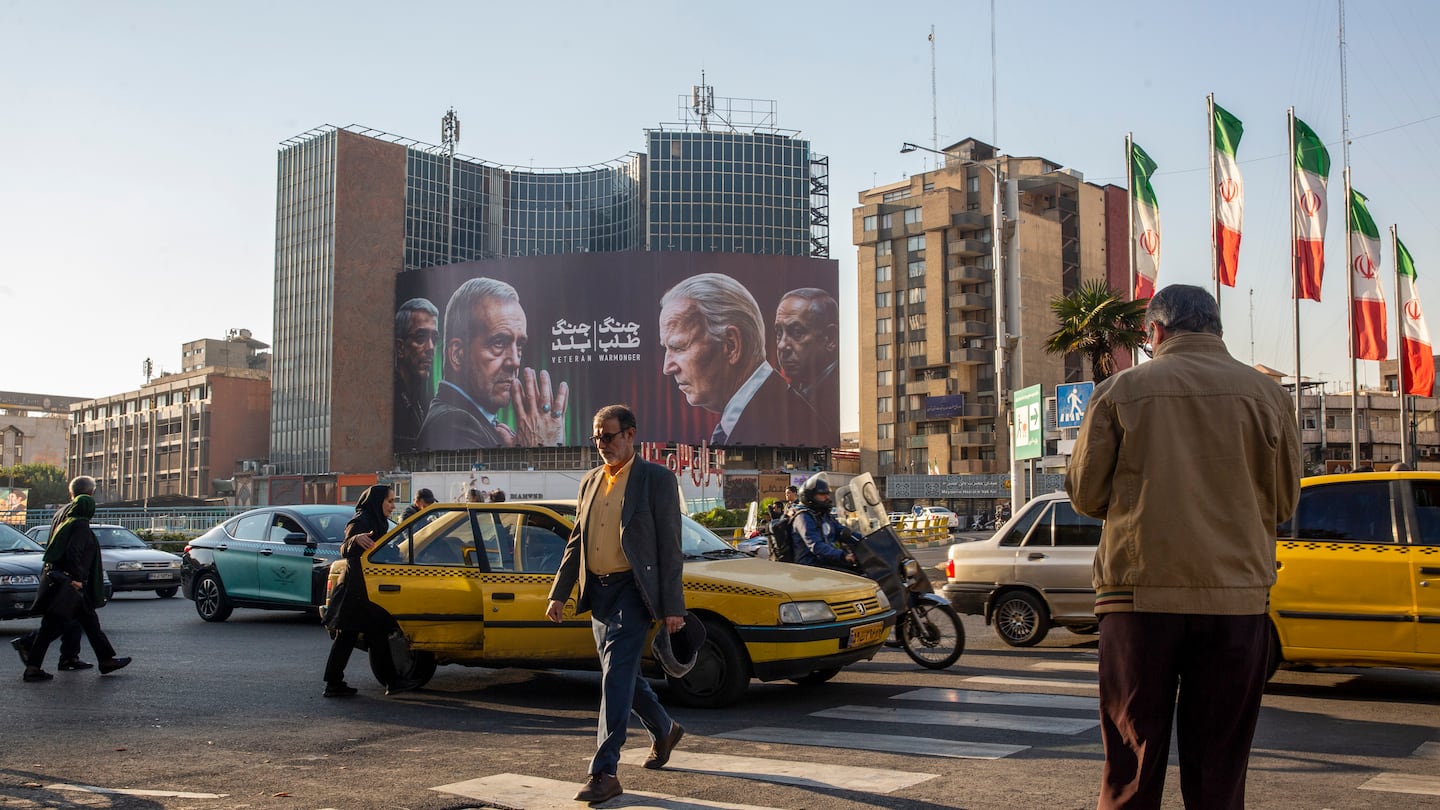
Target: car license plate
[
  {"x": 867, "y": 634},
  {"x": 162, "y": 576}
]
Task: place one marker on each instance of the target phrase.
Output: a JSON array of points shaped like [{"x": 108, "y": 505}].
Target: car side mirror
[{"x": 298, "y": 539}]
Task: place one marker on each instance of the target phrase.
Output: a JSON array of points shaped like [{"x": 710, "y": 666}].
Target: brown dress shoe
[
  {"x": 601, "y": 787},
  {"x": 660, "y": 750}
]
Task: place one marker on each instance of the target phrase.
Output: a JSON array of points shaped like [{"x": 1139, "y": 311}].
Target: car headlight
[
  {"x": 174, "y": 563},
  {"x": 805, "y": 613},
  {"x": 19, "y": 579},
  {"x": 128, "y": 565},
  {"x": 883, "y": 599}
]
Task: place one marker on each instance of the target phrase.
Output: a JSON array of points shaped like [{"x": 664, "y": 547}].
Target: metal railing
[{"x": 189, "y": 521}]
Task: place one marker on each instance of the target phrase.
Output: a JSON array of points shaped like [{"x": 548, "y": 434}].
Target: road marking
[
  {"x": 1067, "y": 666},
  {"x": 925, "y": 746},
  {"x": 1427, "y": 750},
  {"x": 789, "y": 772},
  {"x": 976, "y": 697},
  {"x": 170, "y": 794},
  {"x": 1000, "y": 680},
  {"x": 1404, "y": 783},
  {"x": 515, "y": 791},
  {"x": 1008, "y": 722}
]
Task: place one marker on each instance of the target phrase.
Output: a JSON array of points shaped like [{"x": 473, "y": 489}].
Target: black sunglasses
[{"x": 606, "y": 438}]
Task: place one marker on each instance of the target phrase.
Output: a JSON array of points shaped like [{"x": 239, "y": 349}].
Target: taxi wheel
[
  {"x": 413, "y": 668},
  {"x": 1021, "y": 619},
  {"x": 721, "y": 673},
  {"x": 210, "y": 601}
]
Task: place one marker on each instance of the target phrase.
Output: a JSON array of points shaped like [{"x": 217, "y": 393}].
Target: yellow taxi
[
  {"x": 468, "y": 584},
  {"x": 1358, "y": 573}
]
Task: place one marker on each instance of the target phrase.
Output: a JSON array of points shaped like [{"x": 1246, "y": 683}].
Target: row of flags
[{"x": 1310, "y": 172}]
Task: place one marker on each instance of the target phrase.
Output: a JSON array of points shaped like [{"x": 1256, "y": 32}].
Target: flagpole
[
  {"x": 1350, "y": 319},
  {"x": 1295, "y": 271},
  {"x": 1214, "y": 246},
  {"x": 1130, "y": 218},
  {"x": 1400, "y": 352}
]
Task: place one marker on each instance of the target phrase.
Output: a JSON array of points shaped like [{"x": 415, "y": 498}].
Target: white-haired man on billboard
[
  {"x": 485, "y": 333},
  {"x": 713, "y": 336}
]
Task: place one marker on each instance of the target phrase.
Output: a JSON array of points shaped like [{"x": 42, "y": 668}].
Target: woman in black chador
[{"x": 348, "y": 612}]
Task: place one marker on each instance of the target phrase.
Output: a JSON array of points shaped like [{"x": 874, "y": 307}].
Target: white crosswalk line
[
  {"x": 888, "y": 743},
  {"x": 513, "y": 790},
  {"x": 1007, "y": 722},
  {"x": 1427, "y": 750},
  {"x": 788, "y": 772},
  {"x": 1034, "y": 683},
  {"x": 168, "y": 794},
  {"x": 984, "y": 698},
  {"x": 1404, "y": 783},
  {"x": 1067, "y": 666}
]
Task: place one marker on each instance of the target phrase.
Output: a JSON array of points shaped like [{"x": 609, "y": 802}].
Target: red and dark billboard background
[{"x": 592, "y": 321}]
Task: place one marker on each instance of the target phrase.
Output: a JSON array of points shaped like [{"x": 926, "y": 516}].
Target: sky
[{"x": 139, "y": 139}]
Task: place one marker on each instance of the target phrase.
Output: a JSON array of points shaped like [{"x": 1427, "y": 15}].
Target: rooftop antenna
[
  {"x": 449, "y": 136},
  {"x": 934, "y": 110},
  {"x": 149, "y": 369},
  {"x": 702, "y": 102}
]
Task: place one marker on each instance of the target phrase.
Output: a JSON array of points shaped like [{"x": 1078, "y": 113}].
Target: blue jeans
[{"x": 620, "y": 622}]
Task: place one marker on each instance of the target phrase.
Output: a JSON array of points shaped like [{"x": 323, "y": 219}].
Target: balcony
[
  {"x": 968, "y": 274},
  {"x": 972, "y": 438},
  {"x": 974, "y": 466},
  {"x": 978, "y": 411},
  {"x": 971, "y": 357},
  {"x": 970, "y": 329},
  {"x": 971, "y": 302},
  {"x": 969, "y": 221},
  {"x": 917, "y": 442},
  {"x": 969, "y": 248}
]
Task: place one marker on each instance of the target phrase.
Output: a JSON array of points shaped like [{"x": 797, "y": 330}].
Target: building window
[
  {"x": 916, "y": 295},
  {"x": 887, "y": 220},
  {"x": 882, "y": 378},
  {"x": 884, "y": 430},
  {"x": 898, "y": 194},
  {"x": 915, "y": 244},
  {"x": 868, "y": 223},
  {"x": 912, "y": 216},
  {"x": 972, "y": 184},
  {"x": 882, "y": 351},
  {"x": 917, "y": 321},
  {"x": 916, "y": 269},
  {"x": 882, "y": 300},
  {"x": 882, "y": 274},
  {"x": 887, "y": 458},
  {"x": 882, "y": 326},
  {"x": 916, "y": 348},
  {"x": 882, "y": 249},
  {"x": 883, "y": 405}
]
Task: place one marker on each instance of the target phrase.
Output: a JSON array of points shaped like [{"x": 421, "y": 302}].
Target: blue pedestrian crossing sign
[{"x": 1071, "y": 400}]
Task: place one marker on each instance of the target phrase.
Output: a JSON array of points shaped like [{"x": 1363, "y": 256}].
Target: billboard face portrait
[{"x": 530, "y": 347}]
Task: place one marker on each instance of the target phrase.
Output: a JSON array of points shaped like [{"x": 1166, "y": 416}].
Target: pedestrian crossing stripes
[
  {"x": 788, "y": 772},
  {"x": 996, "y": 720},
  {"x": 1411, "y": 783},
  {"x": 886, "y": 743},
  {"x": 1035, "y": 700},
  {"x": 514, "y": 790},
  {"x": 1067, "y": 666},
  {"x": 1034, "y": 683}
]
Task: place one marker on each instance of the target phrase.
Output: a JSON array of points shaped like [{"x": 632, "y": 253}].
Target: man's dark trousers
[
  {"x": 620, "y": 622},
  {"x": 1218, "y": 664}
]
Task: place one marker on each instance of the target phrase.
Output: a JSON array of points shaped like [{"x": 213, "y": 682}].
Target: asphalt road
[{"x": 230, "y": 715}]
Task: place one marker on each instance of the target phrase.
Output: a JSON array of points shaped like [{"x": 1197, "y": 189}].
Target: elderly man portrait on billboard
[
  {"x": 807, "y": 348},
  {"x": 415, "y": 339},
  {"x": 713, "y": 337},
  {"x": 483, "y": 346}
]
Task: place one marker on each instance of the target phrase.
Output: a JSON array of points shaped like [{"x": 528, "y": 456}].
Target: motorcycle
[{"x": 927, "y": 627}]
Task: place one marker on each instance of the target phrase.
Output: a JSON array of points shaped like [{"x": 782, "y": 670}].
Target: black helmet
[{"x": 815, "y": 485}]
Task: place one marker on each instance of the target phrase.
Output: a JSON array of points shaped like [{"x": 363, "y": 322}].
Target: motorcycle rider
[{"x": 820, "y": 533}]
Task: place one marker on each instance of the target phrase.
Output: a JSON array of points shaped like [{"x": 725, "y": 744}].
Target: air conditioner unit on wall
[{"x": 267, "y": 469}]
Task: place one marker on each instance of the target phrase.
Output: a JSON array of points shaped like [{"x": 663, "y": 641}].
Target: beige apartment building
[{"x": 928, "y": 399}]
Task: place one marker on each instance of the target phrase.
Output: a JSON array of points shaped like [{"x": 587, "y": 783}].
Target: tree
[
  {"x": 46, "y": 482},
  {"x": 1095, "y": 321}
]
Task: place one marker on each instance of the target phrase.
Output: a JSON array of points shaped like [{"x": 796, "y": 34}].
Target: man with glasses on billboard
[
  {"x": 807, "y": 343},
  {"x": 485, "y": 334},
  {"x": 415, "y": 339}
]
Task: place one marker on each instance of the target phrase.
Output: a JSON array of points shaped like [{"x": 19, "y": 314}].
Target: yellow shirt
[{"x": 603, "y": 554}]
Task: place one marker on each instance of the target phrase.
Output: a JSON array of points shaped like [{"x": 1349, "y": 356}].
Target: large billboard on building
[{"x": 734, "y": 350}]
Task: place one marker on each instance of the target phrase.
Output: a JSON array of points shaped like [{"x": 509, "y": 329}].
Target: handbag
[{"x": 55, "y": 596}]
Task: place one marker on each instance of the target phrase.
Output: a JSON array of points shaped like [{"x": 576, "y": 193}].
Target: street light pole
[{"x": 1002, "y": 338}]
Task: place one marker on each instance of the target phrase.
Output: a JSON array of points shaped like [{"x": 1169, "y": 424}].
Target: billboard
[
  {"x": 722, "y": 348},
  {"x": 1029, "y": 423},
  {"x": 13, "y": 503}
]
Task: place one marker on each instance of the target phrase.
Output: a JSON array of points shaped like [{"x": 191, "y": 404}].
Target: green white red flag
[
  {"x": 1147, "y": 222},
  {"x": 1414, "y": 336},
  {"x": 1229, "y": 195},
  {"x": 1367, "y": 302},
  {"x": 1309, "y": 174}
]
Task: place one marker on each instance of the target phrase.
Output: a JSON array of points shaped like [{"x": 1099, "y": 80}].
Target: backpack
[{"x": 782, "y": 540}]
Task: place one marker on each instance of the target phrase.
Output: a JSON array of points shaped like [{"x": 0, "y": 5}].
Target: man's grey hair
[
  {"x": 723, "y": 302},
  {"x": 1185, "y": 308},
  {"x": 822, "y": 304},
  {"x": 460, "y": 312},
  {"x": 82, "y": 485},
  {"x": 402, "y": 315}
]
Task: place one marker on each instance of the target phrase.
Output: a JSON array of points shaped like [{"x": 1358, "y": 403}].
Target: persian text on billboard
[{"x": 520, "y": 352}]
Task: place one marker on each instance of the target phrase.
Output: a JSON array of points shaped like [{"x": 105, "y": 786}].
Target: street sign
[
  {"x": 1071, "y": 400},
  {"x": 1029, "y": 423}
]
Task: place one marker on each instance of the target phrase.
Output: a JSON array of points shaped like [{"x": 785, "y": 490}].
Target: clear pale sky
[{"x": 137, "y": 152}]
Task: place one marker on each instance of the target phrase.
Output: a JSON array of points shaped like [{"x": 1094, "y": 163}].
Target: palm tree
[{"x": 1096, "y": 321}]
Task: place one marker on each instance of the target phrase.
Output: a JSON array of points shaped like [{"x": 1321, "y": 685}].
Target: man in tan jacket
[{"x": 1191, "y": 460}]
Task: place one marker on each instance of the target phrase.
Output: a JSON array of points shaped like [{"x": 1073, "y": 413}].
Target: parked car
[
  {"x": 951, "y": 519},
  {"x": 1031, "y": 575},
  {"x": 40, "y": 534},
  {"x": 21, "y": 560},
  {"x": 132, "y": 565},
  {"x": 273, "y": 558},
  {"x": 468, "y": 584}
]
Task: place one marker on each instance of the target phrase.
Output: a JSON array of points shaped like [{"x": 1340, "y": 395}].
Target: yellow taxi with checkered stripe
[
  {"x": 1358, "y": 573},
  {"x": 468, "y": 584}
]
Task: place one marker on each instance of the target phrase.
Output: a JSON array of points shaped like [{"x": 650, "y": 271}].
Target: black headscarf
[{"x": 370, "y": 512}]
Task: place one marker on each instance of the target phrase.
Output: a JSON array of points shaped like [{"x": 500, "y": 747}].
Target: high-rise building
[
  {"x": 355, "y": 207},
  {"x": 927, "y": 301}
]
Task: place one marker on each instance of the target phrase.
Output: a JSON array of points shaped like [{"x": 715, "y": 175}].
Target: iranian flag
[
  {"x": 1367, "y": 304},
  {"x": 1414, "y": 337},
  {"x": 1147, "y": 222},
  {"x": 1229, "y": 195},
  {"x": 1308, "y": 178}
]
